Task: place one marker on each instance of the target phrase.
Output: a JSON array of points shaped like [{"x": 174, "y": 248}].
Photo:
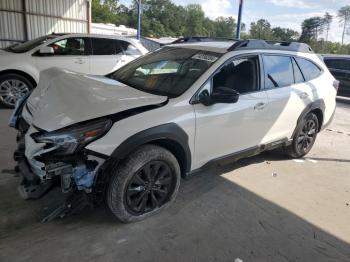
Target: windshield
[
  {"x": 169, "y": 71},
  {"x": 27, "y": 46}
]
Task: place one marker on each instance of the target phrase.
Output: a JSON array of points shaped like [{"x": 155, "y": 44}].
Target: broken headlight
[{"x": 71, "y": 139}]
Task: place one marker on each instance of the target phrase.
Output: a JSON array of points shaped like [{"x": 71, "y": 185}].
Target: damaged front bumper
[{"x": 40, "y": 170}]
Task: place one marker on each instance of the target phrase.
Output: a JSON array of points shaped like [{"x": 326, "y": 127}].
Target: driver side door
[{"x": 224, "y": 129}]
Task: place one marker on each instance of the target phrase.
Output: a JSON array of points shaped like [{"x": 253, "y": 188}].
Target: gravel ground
[{"x": 242, "y": 210}]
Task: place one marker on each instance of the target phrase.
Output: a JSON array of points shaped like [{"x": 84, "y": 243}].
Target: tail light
[{"x": 336, "y": 85}]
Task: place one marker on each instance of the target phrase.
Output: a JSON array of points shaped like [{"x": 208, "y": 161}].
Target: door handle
[
  {"x": 259, "y": 106},
  {"x": 304, "y": 95}
]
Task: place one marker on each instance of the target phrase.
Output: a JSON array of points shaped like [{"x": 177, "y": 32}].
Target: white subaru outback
[{"x": 128, "y": 137}]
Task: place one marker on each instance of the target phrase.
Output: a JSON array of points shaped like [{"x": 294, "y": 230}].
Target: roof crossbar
[
  {"x": 270, "y": 45},
  {"x": 191, "y": 39}
]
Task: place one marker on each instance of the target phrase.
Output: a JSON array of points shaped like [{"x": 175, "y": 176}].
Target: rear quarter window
[{"x": 308, "y": 68}]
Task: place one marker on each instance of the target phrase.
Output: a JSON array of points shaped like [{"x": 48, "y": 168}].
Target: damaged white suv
[{"x": 129, "y": 137}]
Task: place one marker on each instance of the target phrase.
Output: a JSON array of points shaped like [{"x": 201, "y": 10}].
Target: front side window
[
  {"x": 241, "y": 74},
  {"x": 69, "y": 46},
  {"x": 278, "y": 71},
  {"x": 169, "y": 71},
  {"x": 309, "y": 69},
  {"x": 29, "y": 45}
]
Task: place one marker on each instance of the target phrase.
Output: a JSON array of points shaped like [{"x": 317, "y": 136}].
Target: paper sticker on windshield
[{"x": 205, "y": 57}]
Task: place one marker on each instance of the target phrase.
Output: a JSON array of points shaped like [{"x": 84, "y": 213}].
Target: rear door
[
  {"x": 106, "y": 56},
  {"x": 288, "y": 95},
  {"x": 69, "y": 53}
]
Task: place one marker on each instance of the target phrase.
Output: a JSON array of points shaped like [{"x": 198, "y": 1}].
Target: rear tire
[
  {"x": 304, "y": 137},
  {"x": 144, "y": 184},
  {"x": 13, "y": 87}
]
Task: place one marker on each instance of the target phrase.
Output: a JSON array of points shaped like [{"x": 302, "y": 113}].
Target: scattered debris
[
  {"x": 299, "y": 160},
  {"x": 337, "y": 131},
  {"x": 274, "y": 174},
  {"x": 267, "y": 162},
  {"x": 311, "y": 160},
  {"x": 347, "y": 204}
]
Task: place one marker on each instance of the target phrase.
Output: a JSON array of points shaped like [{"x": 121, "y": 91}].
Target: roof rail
[
  {"x": 271, "y": 45},
  {"x": 191, "y": 39}
]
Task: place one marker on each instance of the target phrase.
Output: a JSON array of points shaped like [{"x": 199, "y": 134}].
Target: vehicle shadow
[{"x": 212, "y": 219}]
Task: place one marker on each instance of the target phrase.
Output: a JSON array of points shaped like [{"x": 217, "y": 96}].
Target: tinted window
[
  {"x": 309, "y": 69},
  {"x": 27, "y": 46},
  {"x": 169, "y": 71},
  {"x": 118, "y": 47},
  {"x": 298, "y": 76},
  {"x": 129, "y": 49},
  {"x": 278, "y": 71},
  {"x": 342, "y": 64},
  {"x": 240, "y": 74},
  {"x": 101, "y": 46},
  {"x": 69, "y": 46}
]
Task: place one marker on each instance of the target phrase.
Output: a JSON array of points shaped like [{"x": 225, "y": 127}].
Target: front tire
[
  {"x": 144, "y": 184},
  {"x": 12, "y": 88},
  {"x": 304, "y": 137}
]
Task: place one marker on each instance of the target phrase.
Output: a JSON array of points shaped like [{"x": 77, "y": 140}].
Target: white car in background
[{"x": 20, "y": 65}]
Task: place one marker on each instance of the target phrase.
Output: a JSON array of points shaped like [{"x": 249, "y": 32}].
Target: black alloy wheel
[
  {"x": 307, "y": 135},
  {"x": 304, "y": 136},
  {"x": 150, "y": 187}
]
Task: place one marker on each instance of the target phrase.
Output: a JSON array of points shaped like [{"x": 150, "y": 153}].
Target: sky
[{"x": 283, "y": 13}]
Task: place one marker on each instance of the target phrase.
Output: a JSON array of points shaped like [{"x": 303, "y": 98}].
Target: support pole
[
  {"x": 238, "y": 31},
  {"x": 139, "y": 19}
]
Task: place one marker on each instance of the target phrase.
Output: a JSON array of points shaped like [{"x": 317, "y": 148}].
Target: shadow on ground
[{"x": 212, "y": 219}]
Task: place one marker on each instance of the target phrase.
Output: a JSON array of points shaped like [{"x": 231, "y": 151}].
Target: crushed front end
[{"x": 58, "y": 158}]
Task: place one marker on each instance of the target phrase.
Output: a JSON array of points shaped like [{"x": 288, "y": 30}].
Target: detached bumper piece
[
  {"x": 65, "y": 205},
  {"x": 31, "y": 186}
]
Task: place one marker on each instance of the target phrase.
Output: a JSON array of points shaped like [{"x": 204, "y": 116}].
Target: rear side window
[
  {"x": 298, "y": 76},
  {"x": 118, "y": 47},
  {"x": 101, "y": 46},
  {"x": 309, "y": 69},
  {"x": 278, "y": 71}
]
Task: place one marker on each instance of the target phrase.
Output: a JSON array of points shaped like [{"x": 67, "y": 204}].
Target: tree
[
  {"x": 311, "y": 28},
  {"x": 327, "y": 20},
  {"x": 344, "y": 16},
  {"x": 195, "y": 21},
  {"x": 261, "y": 29},
  {"x": 284, "y": 34},
  {"x": 225, "y": 27}
]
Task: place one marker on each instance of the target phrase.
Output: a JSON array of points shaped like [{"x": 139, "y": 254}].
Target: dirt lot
[{"x": 236, "y": 211}]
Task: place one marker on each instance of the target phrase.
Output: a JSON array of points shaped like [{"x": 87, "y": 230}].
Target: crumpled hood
[{"x": 63, "y": 98}]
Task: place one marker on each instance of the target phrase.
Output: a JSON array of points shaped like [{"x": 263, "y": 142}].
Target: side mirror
[
  {"x": 221, "y": 94},
  {"x": 46, "y": 50}
]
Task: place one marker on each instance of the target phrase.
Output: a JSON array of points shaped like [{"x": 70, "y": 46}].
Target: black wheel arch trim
[
  {"x": 317, "y": 104},
  {"x": 170, "y": 132}
]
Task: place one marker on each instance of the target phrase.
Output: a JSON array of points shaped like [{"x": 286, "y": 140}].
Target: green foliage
[
  {"x": 164, "y": 18},
  {"x": 344, "y": 15},
  {"x": 261, "y": 30},
  {"x": 284, "y": 34}
]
